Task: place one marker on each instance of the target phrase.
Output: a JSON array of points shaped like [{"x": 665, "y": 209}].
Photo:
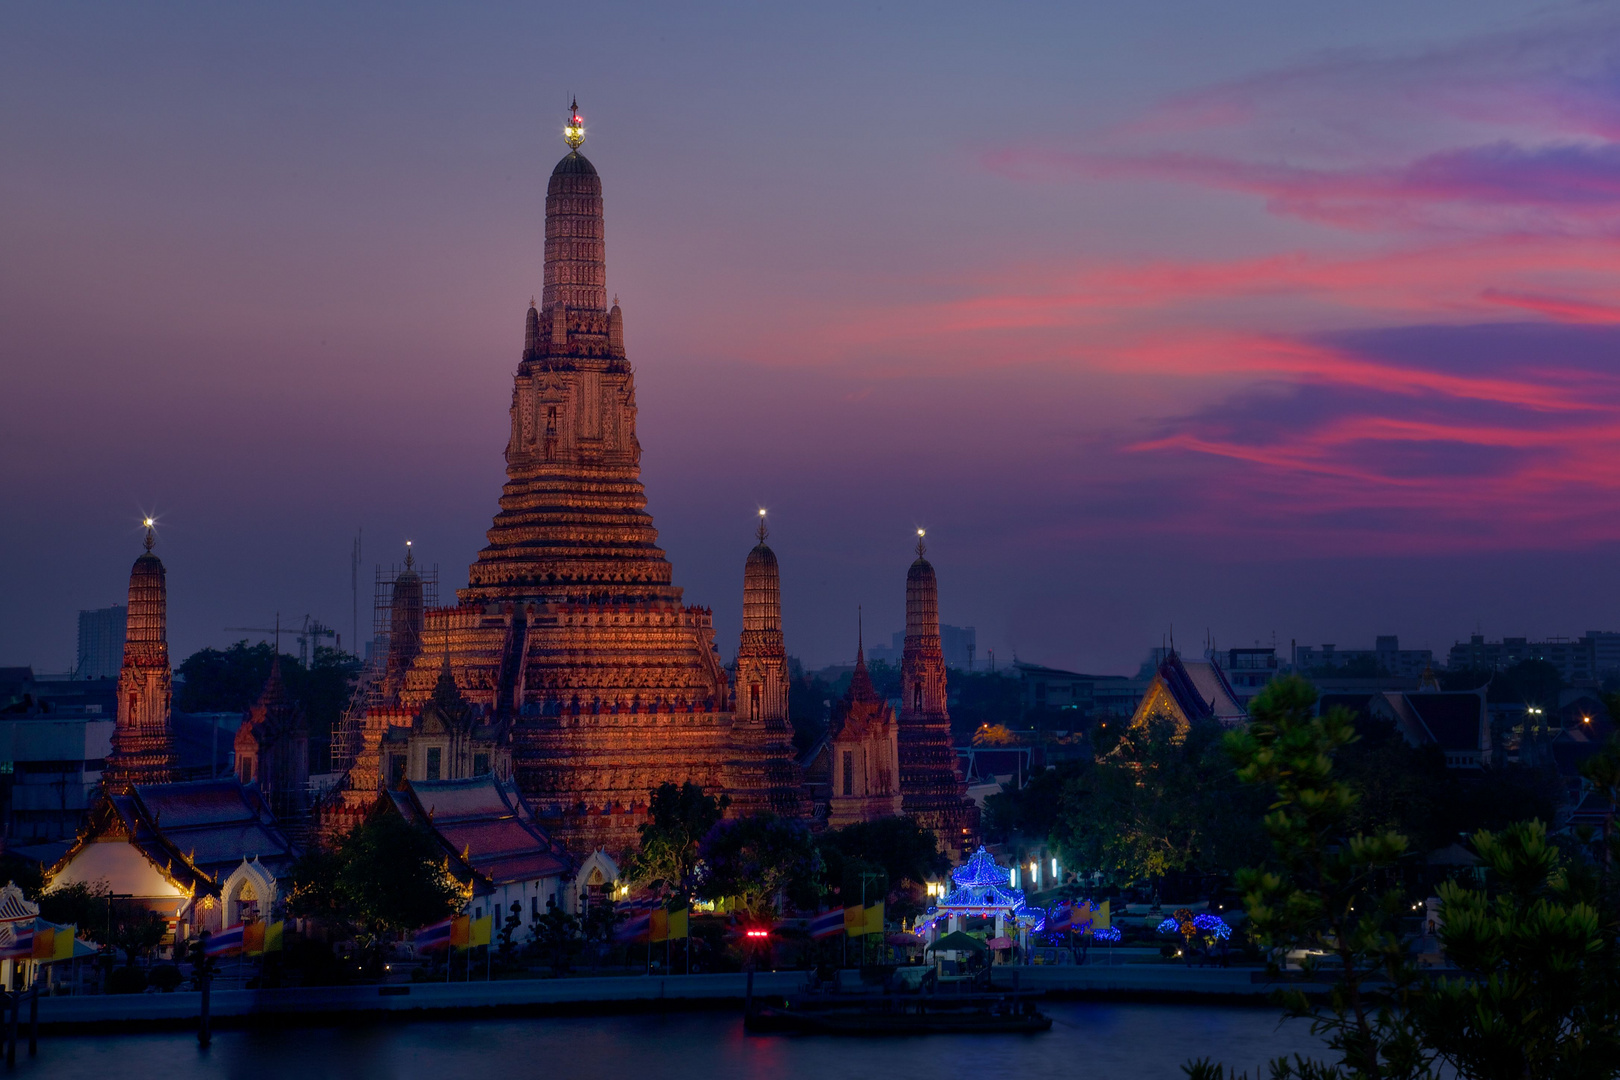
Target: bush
[
  {"x": 166, "y": 977},
  {"x": 126, "y": 980}
]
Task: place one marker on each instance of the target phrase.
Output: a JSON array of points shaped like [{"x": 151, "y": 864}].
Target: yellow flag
[
  {"x": 460, "y": 930},
  {"x": 253, "y": 939},
  {"x": 1101, "y": 920},
  {"x": 855, "y": 921},
  {"x": 272, "y": 936},
  {"x": 658, "y": 925},
  {"x": 678, "y": 921},
  {"x": 874, "y": 918},
  {"x": 64, "y": 942},
  {"x": 479, "y": 932},
  {"x": 44, "y": 941}
]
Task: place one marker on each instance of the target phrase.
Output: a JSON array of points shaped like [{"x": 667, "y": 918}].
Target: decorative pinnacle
[
  {"x": 409, "y": 561},
  {"x": 921, "y": 547},
  {"x": 762, "y": 530},
  {"x": 151, "y": 537},
  {"x": 574, "y": 131}
]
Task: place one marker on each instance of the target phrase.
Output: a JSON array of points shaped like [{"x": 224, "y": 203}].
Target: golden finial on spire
[
  {"x": 762, "y": 530},
  {"x": 409, "y": 561},
  {"x": 151, "y": 537},
  {"x": 921, "y": 547},
  {"x": 574, "y": 131}
]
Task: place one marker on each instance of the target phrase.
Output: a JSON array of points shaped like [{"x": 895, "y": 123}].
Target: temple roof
[
  {"x": 574, "y": 164},
  {"x": 484, "y": 823}
]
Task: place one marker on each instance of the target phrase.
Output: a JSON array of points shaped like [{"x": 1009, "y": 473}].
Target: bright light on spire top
[
  {"x": 574, "y": 131},
  {"x": 762, "y": 532}
]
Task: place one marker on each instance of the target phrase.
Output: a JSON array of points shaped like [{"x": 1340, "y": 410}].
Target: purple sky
[{"x": 1268, "y": 320}]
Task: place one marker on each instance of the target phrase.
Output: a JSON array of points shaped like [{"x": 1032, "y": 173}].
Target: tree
[
  {"x": 679, "y": 818},
  {"x": 556, "y": 936},
  {"x": 1032, "y": 811},
  {"x": 754, "y": 859},
  {"x": 87, "y": 905},
  {"x": 508, "y": 934},
  {"x": 903, "y": 853},
  {"x": 1537, "y": 996},
  {"x": 1164, "y": 800},
  {"x": 313, "y": 891},
  {"x": 1328, "y": 890},
  {"x": 393, "y": 876}
]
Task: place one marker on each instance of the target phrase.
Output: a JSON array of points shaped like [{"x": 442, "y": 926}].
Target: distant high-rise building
[
  {"x": 101, "y": 642},
  {"x": 1385, "y": 657},
  {"x": 1592, "y": 656}
]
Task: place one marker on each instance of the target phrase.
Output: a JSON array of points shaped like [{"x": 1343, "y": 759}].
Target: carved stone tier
[{"x": 932, "y": 787}]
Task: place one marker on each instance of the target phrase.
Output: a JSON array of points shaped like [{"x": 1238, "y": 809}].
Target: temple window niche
[
  {"x": 435, "y": 761},
  {"x": 753, "y": 701}
]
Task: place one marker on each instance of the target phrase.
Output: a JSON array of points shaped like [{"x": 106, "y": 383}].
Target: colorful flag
[
  {"x": 253, "y": 939},
  {"x": 64, "y": 941},
  {"x": 658, "y": 925},
  {"x": 855, "y": 921},
  {"x": 874, "y": 918},
  {"x": 1061, "y": 917},
  {"x": 437, "y": 936},
  {"x": 224, "y": 943},
  {"x": 679, "y": 921},
  {"x": 1101, "y": 920},
  {"x": 479, "y": 932},
  {"x": 460, "y": 931},
  {"x": 828, "y": 924},
  {"x": 273, "y": 934},
  {"x": 44, "y": 941}
]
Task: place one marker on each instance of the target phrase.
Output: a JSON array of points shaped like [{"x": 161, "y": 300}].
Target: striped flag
[
  {"x": 224, "y": 943},
  {"x": 17, "y": 940},
  {"x": 436, "y": 936},
  {"x": 829, "y": 923}
]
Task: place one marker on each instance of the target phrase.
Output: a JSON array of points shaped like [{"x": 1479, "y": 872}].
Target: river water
[{"x": 1132, "y": 1042}]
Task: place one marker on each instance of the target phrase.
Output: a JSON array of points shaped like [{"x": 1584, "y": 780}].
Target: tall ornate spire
[
  {"x": 143, "y": 737},
  {"x": 761, "y": 774},
  {"x": 931, "y": 785},
  {"x": 576, "y": 267}
]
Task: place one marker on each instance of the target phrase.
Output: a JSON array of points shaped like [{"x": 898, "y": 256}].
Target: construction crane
[{"x": 308, "y": 639}]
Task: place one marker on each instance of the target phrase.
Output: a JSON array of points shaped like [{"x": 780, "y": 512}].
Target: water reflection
[{"x": 1142, "y": 1042}]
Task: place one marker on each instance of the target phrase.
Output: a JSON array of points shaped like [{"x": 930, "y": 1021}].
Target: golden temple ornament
[{"x": 574, "y": 131}]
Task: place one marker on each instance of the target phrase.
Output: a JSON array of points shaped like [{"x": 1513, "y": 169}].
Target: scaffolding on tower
[{"x": 371, "y": 689}]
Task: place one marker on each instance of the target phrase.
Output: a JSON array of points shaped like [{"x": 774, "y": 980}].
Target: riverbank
[{"x": 595, "y": 995}]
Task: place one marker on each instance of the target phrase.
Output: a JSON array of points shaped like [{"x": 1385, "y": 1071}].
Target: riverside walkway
[{"x": 512, "y": 997}]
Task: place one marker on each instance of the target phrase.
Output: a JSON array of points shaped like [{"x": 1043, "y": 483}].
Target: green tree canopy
[
  {"x": 679, "y": 817},
  {"x": 1163, "y": 800},
  {"x": 903, "y": 853},
  {"x": 755, "y": 859},
  {"x": 386, "y": 875}
]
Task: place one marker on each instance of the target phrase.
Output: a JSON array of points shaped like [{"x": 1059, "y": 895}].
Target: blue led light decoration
[{"x": 982, "y": 888}]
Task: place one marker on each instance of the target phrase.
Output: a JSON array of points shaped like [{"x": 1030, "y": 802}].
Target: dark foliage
[{"x": 753, "y": 860}]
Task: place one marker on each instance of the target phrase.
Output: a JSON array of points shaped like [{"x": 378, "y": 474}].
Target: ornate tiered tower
[
  {"x": 762, "y": 774},
  {"x": 570, "y": 623},
  {"x": 862, "y": 754},
  {"x": 272, "y": 750},
  {"x": 932, "y": 788},
  {"x": 143, "y": 740}
]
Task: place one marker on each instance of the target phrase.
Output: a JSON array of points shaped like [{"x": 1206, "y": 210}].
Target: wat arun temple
[{"x": 571, "y": 658}]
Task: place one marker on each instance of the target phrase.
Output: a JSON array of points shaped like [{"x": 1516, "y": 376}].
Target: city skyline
[{"x": 1141, "y": 350}]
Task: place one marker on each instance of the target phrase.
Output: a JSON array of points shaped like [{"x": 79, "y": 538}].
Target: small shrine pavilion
[{"x": 983, "y": 890}]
